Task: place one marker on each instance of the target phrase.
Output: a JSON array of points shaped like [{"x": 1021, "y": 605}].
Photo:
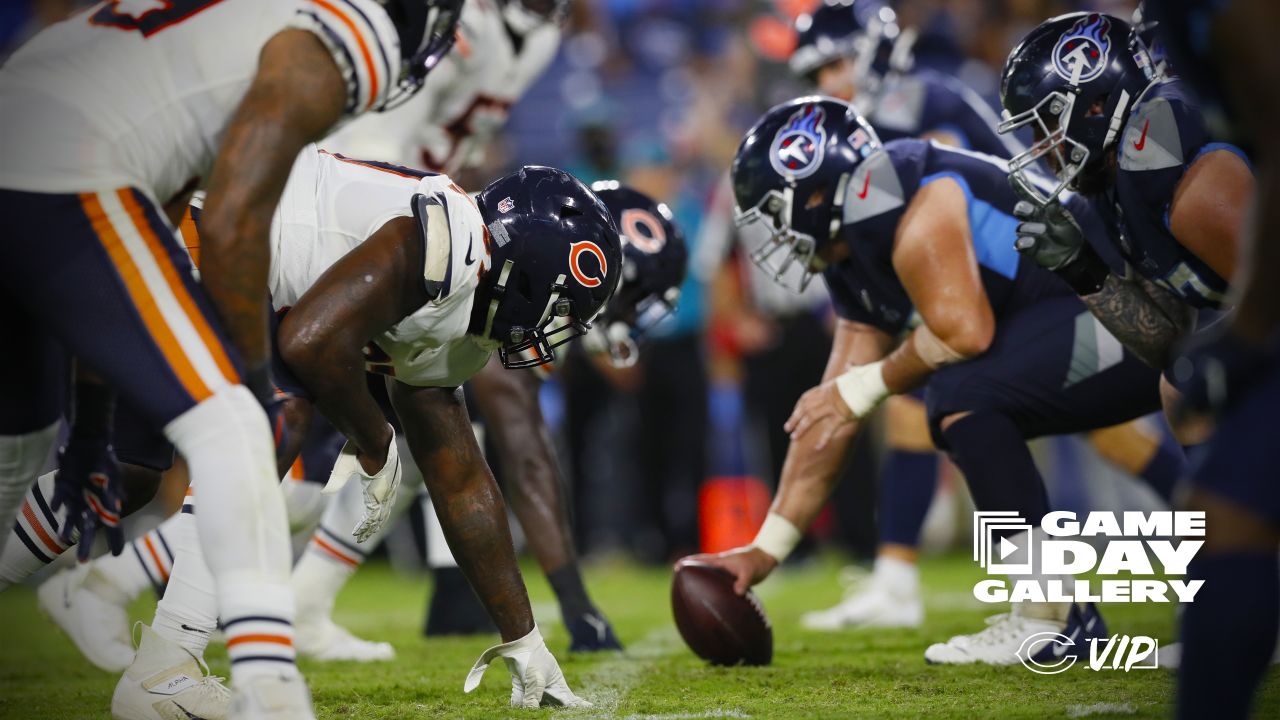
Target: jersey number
[
  {"x": 1183, "y": 282},
  {"x": 147, "y": 16}
]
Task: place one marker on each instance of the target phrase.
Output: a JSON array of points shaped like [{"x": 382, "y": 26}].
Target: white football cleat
[
  {"x": 272, "y": 698},
  {"x": 872, "y": 604},
  {"x": 998, "y": 644},
  {"x": 166, "y": 682},
  {"x": 325, "y": 640},
  {"x": 96, "y": 623}
]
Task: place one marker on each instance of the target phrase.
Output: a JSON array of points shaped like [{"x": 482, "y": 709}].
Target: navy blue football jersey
[
  {"x": 1163, "y": 136},
  {"x": 929, "y": 101},
  {"x": 865, "y": 288}
]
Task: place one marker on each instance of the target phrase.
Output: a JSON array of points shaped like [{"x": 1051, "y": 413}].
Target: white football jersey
[
  {"x": 464, "y": 102},
  {"x": 330, "y": 205},
  {"x": 139, "y": 92}
]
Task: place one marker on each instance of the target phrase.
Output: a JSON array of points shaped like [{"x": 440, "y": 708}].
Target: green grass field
[{"x": 855, "y": 674}]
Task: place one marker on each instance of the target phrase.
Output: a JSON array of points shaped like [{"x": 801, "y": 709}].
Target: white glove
[
  {"x": 536, "y": 679},
  {"x": 379, "y": 490}
]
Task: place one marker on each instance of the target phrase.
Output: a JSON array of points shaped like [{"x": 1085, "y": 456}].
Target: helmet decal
[
  {"x": 1083, "y": 51},
  {"x": 640, "y": 228},
  {"x": 576, "y": 251},
  {"x": 798, "y": 147}
]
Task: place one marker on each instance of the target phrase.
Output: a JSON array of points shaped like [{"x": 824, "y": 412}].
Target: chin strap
[{"x": 499, "y": 288}]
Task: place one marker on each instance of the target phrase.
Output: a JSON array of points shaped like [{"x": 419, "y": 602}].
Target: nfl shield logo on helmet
[
  {"x": 798, "y": 147},
  {"x": 505, "y": 205},
  {"x": 1083, "y": 51}
]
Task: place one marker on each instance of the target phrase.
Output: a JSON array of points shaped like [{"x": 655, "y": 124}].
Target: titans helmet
[
  {"x": 427, "y": 30},
  {"x": 1074, "y": 82},
  {"x": 556, "y": 258},
  {"x": 790, "y": 175},
  {"x": 1146, "y": 45},
  {"x": 654, "y": 260},
  {"x": 865, "y": 31}
]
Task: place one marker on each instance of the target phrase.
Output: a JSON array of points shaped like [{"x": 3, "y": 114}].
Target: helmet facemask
[
  {"x": 798, "y": 249},
  {"x": 1049, "y": 120},
  {"x": 437, "y": 41},
  {"x": 526, "y": 347}
]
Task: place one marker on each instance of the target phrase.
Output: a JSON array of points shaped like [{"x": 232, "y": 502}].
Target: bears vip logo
[
  {"x": 798, "y": 147},
  {"x": 1083, "y": 51}
]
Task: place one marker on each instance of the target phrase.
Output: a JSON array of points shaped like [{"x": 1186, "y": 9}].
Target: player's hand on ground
[
  {"x": 1048, "y": 234},
  {"x": 536, "y": 679},
  {"x": 88, "y": 484},
  {"x": 748, "y": 565},
  {"x": 820, "y": 410},
  {"x": 590, "y": 631},
  {"x": 379, "y": 488}
]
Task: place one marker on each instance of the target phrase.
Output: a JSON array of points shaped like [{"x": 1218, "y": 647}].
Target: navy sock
[
  {"x": 1167, "y": 467},
  {"x": 1228, "y": 633},
  {"x": 991, "y": 452},
  {"x": 908, "y": 481}
]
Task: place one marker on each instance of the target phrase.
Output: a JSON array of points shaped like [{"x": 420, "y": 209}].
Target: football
[{"x": 717, "y": 624}]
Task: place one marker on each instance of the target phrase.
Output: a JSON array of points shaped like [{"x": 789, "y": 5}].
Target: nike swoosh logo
[
  {"x": 468, "y": 260},
  {"x": 1142, "y": 141},
  {"x": 188, "y": 628},
  {"x": 190, "y": 715},
  {"x": 866, "y": 184},
  {"x": 1060, "y": 649}
]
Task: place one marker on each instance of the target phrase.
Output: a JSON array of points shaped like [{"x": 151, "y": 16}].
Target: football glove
[
  {"x": 1050, "y": 236},
  {"x": 536, "y": 679},
  {"x": 379, "y": 489},
  {"x": 88, "y": 485}
]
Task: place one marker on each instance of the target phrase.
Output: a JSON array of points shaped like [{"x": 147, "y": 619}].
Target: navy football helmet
[
  {"x": 1074, "y": 81},
  {"x": 556, "y": 258},
  {"x": 790, "y": 176},
  {"x": 525, "y": 16},
  {"x": 865, "y": 31},
  {"x": 1146, "y": 46},
  {"x": 654, "y": 260},
  {"x": 427, "y": 30}
]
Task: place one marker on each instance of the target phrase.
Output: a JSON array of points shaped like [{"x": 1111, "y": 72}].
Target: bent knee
[{"x": 907, "y": 426}]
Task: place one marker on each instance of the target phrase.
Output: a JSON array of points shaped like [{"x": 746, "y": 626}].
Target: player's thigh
[
  {"x": 34, "y": 372},
  {"x": 104, "y": 273},
  {"x": 1053, "y": 369}
]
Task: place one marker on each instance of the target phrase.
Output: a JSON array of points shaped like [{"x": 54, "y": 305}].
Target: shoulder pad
[
  {"x": 1151, "y": 140},
  {"x": 873, "y": 190},
  {"x": 901, "y": 106},
  {"x": 432, "y": 216}
]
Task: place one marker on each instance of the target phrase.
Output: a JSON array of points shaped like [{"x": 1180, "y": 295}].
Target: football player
[
  {"x": 106, "y": 119},
  {"x": 912, "y": 239},
  {"x": 854, "y": 49}
]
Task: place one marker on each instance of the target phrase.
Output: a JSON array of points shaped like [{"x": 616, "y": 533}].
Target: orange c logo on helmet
[
  {"x": 576, "y": 251},
  {"x": 642, "y": 229}
]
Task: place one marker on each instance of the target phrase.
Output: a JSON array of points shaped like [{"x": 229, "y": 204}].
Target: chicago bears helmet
[
  {"x": 790, "y": 176},
  {"x": 427, "y": 30},
  {"x": 556, "y": 258},
  {"x": 1074, "y": 82},
  {"x": 865, "y": 31},
  {"x": 654, "y": 260},
  {"x": 525, "y": 16}
]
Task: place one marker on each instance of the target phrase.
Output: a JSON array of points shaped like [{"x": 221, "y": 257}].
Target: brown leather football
[{"x": 717, "y": 624}]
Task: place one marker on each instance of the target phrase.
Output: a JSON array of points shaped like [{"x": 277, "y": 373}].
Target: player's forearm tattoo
[{"x": 1144, "y": 318}]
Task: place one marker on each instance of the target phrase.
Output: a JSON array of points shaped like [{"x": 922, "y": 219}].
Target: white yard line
[
  {"x": 1102, "y": 708},
  {"x": 609, "y": 682}
]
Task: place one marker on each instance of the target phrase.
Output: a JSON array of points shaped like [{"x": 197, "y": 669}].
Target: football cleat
[
  {"x": 96, "y": 622},
  {"x": 166, "y": 682},
  {"x": 327, "y": 641},
  {"x": 272, "y": 698},
  {"x": 591, "y": 632},
  {"x": 1003, "y": 640},
  {"x": 871, "y": 603}
]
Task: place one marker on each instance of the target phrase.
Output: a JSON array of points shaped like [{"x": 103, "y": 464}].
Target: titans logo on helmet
[
  {"x": 1083, "y": 51},
  {"x": 797, "y": 148}
]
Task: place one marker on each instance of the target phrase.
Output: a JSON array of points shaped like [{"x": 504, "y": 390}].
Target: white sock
[
  {"x": 188, "y": 612},
  {"x": 32, "y": 541},
  {"x": 898, "y": 576},
  {"x": 147, "y": 561},
  {"x": 243, "y": 529},
  {"x": 438, "y": 553},
  {"x": 21, "y": 457}
]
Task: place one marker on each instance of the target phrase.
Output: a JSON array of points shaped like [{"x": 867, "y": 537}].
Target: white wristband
[
  {"x": 862, "y": 388},
  {"x": 777, "y": 537}
]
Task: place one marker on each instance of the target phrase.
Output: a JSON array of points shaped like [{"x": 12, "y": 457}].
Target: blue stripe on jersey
[
  {"x": 993, "y": 231},
  {"x": 1211, "y": 147},
  {"x": 956, "y": 132}
]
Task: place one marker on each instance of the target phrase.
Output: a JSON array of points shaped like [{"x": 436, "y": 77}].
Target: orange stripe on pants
[
  {"x": 142, "y": 299},
  {"x": 189, "y": 308}
]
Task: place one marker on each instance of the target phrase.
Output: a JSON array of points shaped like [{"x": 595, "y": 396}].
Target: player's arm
[
  {"x": 1209, "y": 207},
  {"x": 934, "y": 259},
  {"x": 509, "y": 402},
  {"x": 296, "y": 97},
  {"x": 809, "y": 472},
  {"x": 466, "y": 500},
  {"x": 323, "y": 336}
]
